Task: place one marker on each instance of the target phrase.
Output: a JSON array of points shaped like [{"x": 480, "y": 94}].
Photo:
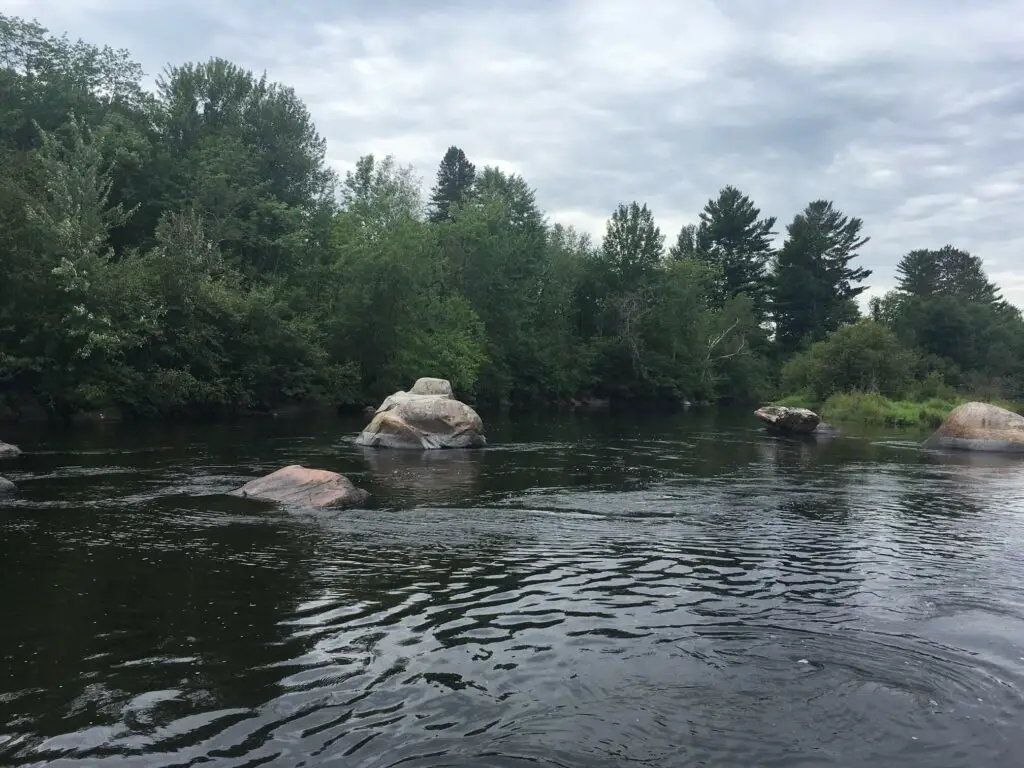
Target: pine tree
[
  {"x": 737, "y": 241},
  {"x": 947, "y": 272},
  {"x": 456, "y": 177},
  {"x": 814, "y": 286}
]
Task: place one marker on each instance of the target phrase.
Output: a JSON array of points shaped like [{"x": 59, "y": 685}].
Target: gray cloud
[{"x": 909, "y": 115}]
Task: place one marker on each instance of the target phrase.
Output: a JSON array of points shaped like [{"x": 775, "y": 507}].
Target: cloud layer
[{"x": 909, "y": 115}]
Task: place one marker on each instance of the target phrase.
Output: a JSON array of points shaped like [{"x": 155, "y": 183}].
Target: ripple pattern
[{"x": 714, "y": 599}]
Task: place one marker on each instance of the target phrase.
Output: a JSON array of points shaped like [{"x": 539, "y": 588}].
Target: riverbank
[
  {"x": 873, "y": 409},
  {"x": 34, "y": 413}
]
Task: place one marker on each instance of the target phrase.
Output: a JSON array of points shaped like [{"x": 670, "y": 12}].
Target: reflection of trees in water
[
  {"x": 159, "y": 597},
  {"x": 425, "y": 477},
  {"x": 611, "y": 451}
]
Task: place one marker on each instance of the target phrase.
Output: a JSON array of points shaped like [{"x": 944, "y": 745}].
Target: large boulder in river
[
  {"x": 426, "y": 418},
  {"x": 8, "y": 451},
  {"x": 305, "y": 487},
  {"x": 782, "y": 418},
  {"x": 6, "y": 486},
  {"x": 980, "y": 427}
]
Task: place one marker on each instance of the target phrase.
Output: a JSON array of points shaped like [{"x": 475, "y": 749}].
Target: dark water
[{"x": 590, "y": 591}]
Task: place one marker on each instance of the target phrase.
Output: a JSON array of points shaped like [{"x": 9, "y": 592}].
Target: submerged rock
[
  {"x": 826, "y": 430},
  {"x": 429, "y": 417},
  {"x": 8, "y": 451},
  {"x": 299, "y": 485},
  {"x": 980, "y": 427},
  {"x": 801, "y": 421},
  {"x": 6, "y": 486}
]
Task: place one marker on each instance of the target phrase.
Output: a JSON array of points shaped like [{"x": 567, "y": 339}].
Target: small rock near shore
[
  {"x": 6, "y": 486},
  {"x": 301, "y": 486}
]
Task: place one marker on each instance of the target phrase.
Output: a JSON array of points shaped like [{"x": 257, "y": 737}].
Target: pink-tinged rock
[
  {"x": 301, "y": 486},
  {"x": 980, "y": 427}
]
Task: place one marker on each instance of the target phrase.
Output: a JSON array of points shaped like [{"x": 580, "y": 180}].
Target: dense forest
[{"x": 189, "y": 251}]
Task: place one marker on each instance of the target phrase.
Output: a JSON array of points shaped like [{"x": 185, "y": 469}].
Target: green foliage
[
  {"x": 633, "y": 244},
  {"x": 864, "y": 356},
  {"x": 946, "y": 307},
  {"x": 733, "y": 237},
  {"x": 948, "y": 271},
  {"x": 245, "y": 153},
  {"x": 189, "y": 251},
  {"x": 814, "y": 285},
  {"x": 456, "y": 179},
  {"x": 874, "y": 409},
  {"x": 380, "y": 194}
]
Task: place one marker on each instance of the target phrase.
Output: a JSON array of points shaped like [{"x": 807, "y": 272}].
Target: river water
[{"x": 589, "y": 591}]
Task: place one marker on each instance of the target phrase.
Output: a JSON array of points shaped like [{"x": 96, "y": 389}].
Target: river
[{"x": 591, "y": 590}]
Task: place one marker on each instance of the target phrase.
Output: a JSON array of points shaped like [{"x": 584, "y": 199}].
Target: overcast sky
[{"x": 908, "y": 114}]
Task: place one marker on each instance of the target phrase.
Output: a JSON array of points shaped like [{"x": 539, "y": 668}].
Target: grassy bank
[{"x": 877, "y": 410}]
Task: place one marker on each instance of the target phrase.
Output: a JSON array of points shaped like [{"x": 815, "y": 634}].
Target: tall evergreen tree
[
  {"x": 947, "y": 271},
  {"x": 734, "y": 238},
  {"x": 456, "y": 177},
  {"x": 814, "y": 286}
]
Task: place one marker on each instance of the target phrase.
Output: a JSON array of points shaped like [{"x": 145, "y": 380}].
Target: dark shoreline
[{"x": 196, "y": 414}]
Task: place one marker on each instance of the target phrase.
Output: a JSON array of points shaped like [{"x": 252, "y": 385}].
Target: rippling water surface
[{"x": 589, "y": 591}]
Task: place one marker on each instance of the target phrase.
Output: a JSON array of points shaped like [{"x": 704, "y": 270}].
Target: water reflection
[{"x": 440, "y": 477}]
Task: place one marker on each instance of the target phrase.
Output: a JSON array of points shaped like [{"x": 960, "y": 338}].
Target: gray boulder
[
  {"x": 300, "y": 486},
  {"x": 428, "y": 386},
  {"x": 6, "y": 486},
  {"x": 780, "y": 418},
  {"x": 8, "y": 451},
  {"x": 980, "y": 427},
  {"x": 426, "y": 418}
]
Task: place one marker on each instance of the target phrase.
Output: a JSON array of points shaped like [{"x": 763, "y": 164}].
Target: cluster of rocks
[
  {"x": 969, "y": 427},
  {"x": 426, "y": 418}
]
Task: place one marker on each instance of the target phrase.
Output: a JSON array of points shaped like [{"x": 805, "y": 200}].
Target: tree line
[{"x": 189, "y": 250}]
